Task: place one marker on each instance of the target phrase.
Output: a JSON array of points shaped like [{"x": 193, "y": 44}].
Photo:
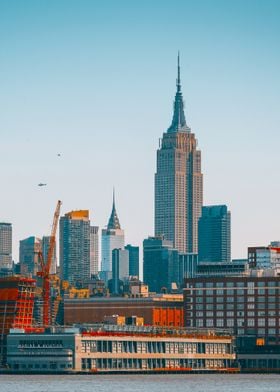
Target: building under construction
[{"x": 16, "y": 306}]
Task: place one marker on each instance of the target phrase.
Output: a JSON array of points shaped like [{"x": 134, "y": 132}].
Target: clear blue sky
[{"x": 95, "y": 81}]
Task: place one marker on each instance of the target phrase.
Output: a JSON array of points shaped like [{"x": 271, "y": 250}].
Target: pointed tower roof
[
  {"x": 179, "y": 121},
  {"x": 114, "y": 222}
]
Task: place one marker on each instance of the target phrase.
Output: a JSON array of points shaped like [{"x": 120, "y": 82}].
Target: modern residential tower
[
  {"x": 214, "y": 234},
  {"x": 178, "y": 181},
  {"x": 74, "y": 244}
]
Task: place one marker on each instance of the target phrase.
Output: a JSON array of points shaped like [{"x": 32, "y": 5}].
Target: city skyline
[{"x": 87, "y": 91}]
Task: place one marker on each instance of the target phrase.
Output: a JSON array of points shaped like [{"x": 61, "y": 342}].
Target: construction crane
[{"x": 45, "y": 269}]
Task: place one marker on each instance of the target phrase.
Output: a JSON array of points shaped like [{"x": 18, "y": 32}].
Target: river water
[{"x": 139, "y": 383}]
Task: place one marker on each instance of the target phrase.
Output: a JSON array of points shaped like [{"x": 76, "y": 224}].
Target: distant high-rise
[
  {"x": 6, "y": 245},
  {"x": 178, "y": 182},
  {"x": 29, "y": 249},
  {"x": 161, "y": 263},
  {"x": 133, "y": 260},
  {"x": 74, "y": 244},
  {"x": 214, "y": 234},
  {"x": 120, "y": 268},
  {"x": 94, "y": 250},
  {"x": 112, "y": 238}
]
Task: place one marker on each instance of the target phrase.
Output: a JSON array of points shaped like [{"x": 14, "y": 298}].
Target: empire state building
[{"x": 178, "y": 181}]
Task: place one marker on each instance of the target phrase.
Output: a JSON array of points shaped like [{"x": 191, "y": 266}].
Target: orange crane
[{"x": 45, "y": 269}]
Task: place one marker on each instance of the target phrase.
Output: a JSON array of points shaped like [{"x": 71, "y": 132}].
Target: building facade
[
  {"x": 178, "y": 182},
  {"x": 248, "y": 305},
  {"x": 162, "y": 310},
  {"x": 133, "y": 260},
  {"x": 160, "y": 264},
  {"x": 94, "y": 250},
  {"x": 29, "y": 249},
  {"x": 214, "y": 234},
  {"x": 112, "y": 238},
  {"x": 6, "y": 260},
  {"x": 122, "y": 350},
  {"x": 120, "y": 268},
  {"x": 74, "y": 247},
  {"x": 264, "y": 256}
]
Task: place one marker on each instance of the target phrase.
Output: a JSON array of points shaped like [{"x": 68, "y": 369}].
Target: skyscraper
[
  {"x": 112, "y": 238},
  {"x": 94, "y": 250},
  {"x": 29, "y": 249},
  {"x": 178, "y": 181},
  {"x": 6, "y": 245},
  {"x": 214, "y": 234},
  {"x": 74, "y": 246},
  {"x": 133, "y": 260},
  {"x": 120, "y": 268},
  {"x": 160, "y": 266}
]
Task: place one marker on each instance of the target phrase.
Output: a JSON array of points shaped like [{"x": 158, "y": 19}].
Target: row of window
[
  {"x": 235, "y": 284},
  {"x": 222, "y": 314},
  {"x": 232, "y": 306},
  {"x": 248, "y": 291},
  {"x": 152, "y": 347},
  {"x": 230, "y": 299}
]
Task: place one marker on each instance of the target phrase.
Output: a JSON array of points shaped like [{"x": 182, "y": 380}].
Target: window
[
  {"x": 199, "y": 314},
  {"x": 261, "y": 291},
  {"x": 220, "y": 292},
  {"x": 199, "y": 323},
  {"x": 240, "y": 292},
  {"x": 251, "y": 299},
  {"x": 230, "y": 314},
  {"x": 209, "y": 284},
  {"x": 261, "y": 322},
  {"x": 271, "y": 291},
  {"x": 240, "y": 322},
  {"x": 251, "y": 322},
  {"x": 220, "y": 299},
  {"x": 251, "y": 314},
  {"x": 261, "y": 284},
  {"x": 240, "y": 284},
  {"x": 209, "y": 323},
  {"x": 271, "y": 322},
  {"x": 220, "y": 314},
  {"x": 230, "y": 284},
  {"x": 220, "y": 322},
  {"x": 220, "y": 284},
  {"x": 209, "y": 314},
  {"x": 230, "y": 322}
]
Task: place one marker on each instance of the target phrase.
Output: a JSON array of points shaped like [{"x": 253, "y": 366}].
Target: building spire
[
  {"x": 114, "y": 222},
  {"x": 178, "y": 73},
  {"x": 178, "y": 121}
]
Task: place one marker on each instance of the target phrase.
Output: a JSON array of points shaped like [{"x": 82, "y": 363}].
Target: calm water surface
[{"x": 149, "y": 383}]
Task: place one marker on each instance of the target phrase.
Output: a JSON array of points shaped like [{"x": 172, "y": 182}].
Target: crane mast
[{"x": 45, "y": 269}]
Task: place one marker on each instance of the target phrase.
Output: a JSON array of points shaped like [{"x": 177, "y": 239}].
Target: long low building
[
  {"x": 111, "y": 351},
  {"x": 163, "y": 310}
]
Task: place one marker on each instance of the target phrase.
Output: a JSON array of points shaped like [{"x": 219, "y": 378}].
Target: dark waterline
[{"x": 137, "y": 383}]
